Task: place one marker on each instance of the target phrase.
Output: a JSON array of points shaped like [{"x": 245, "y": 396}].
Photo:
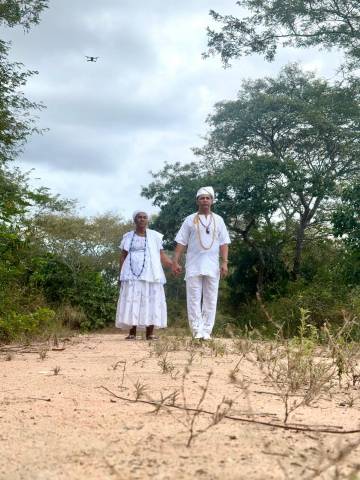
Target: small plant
[
  {"x": 242, "y": 346},
  {"x": 165, "y": 365},
  {"x": 55, "y": 341},
  {"x": 217, "y": 347},
  {"x": 140, "y": 389},
  {"x": 343, "y": 351},
  {"x": 43, "y": 353},
  {"x": 292, "y": 369},
  {"x": 56, "y": 370},
  {"x": 192, "y": 418}
]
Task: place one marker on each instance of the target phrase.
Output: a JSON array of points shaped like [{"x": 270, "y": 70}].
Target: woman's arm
[
  {"x": 165, "y": 259},
  {"x": 179, "y": 250},
  {"x": 123, "y": 255}
]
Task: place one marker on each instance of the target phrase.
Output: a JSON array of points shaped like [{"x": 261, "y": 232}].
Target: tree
[
  {"x": 80, "y": 241},
  {"x": 15, "y": 122},
  {"x": 21, "y": 12},
  {"x": 276, "y": 157},
  {"x": 306, "y": 126},
  {"x": 297, "y": 23}
]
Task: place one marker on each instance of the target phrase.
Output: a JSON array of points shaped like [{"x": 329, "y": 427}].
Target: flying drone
[{"x": 91, "y": 59}]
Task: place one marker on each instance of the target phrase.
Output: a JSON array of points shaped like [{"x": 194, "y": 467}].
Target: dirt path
[{"x": 66, "y": 426}]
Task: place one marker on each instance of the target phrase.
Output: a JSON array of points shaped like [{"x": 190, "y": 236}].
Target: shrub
[{"x": 16, "y": 326}]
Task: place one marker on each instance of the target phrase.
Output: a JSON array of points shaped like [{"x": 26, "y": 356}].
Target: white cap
[
  {"x": 206, "y": 191},
  {"x": 137, "y": 213}
]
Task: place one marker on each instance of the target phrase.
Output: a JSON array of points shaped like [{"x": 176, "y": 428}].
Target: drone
[{"x": 91, "y": 59}]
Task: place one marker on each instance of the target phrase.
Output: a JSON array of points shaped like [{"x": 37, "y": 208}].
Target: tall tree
[
  {"x": 307, "y": 126},
  {"x": 298, "y": 23},
  {"x": 15, "y": 122}
]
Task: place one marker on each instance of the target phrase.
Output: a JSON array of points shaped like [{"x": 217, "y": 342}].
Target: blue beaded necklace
[{"x": 143, "y": 265}]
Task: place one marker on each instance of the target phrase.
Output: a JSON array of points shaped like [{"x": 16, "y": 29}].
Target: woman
[{"x": 142, "y": 299}]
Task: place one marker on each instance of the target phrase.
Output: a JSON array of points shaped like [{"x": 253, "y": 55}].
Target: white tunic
[
  {"x": 135, "y": 246},
  {"x": 200, "y": 261}
]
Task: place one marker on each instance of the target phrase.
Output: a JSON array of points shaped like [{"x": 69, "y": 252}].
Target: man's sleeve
[
  {"x": 224, "y": 237},
  {"x": 183, "y": 234}
]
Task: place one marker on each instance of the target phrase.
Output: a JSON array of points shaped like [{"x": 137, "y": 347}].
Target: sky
[{"x": 143, "y": 103}]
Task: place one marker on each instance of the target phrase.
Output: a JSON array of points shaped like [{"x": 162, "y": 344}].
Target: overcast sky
[{"x": 143, "y": 103}]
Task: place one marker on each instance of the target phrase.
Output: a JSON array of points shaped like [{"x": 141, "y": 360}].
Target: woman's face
[{"x": 141, "y": 220}]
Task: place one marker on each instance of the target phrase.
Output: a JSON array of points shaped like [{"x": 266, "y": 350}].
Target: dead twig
[{"x": 334, "y": 430}]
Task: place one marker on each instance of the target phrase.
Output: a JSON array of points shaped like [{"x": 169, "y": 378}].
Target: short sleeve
[
  {"x": 159, "y": 240},
  {"x": 224, "y": 237},
  {"x": 183, "y": 234},
  {"x": 125, "y": 242}
]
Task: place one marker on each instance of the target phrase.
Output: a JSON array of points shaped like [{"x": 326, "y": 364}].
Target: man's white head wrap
[
  {"x": 206, "y": 191},
  {"x": 137, "y": 213}
]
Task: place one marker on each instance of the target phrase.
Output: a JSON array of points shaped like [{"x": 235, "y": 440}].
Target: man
[{"x": 205, "y": 235}]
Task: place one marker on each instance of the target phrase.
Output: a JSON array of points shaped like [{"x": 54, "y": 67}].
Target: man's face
[
  {"x": 205, "y": 201},
  {"x": 141, "y": 220}
]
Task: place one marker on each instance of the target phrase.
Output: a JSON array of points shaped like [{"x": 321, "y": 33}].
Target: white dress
[{"x": 142, "y": 298}]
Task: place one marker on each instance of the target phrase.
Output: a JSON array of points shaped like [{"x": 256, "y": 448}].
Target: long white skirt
[{"x": 141, "y": 304}]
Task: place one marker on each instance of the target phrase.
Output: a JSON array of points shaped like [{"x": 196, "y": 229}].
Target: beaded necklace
[
  {"x": 143, "y": 265},
  {"x": 197, "y": 221},
  {"x": 207, "y": 227}
]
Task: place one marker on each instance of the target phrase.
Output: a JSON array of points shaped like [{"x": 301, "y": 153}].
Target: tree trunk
[{"x": 298, "y": 248}]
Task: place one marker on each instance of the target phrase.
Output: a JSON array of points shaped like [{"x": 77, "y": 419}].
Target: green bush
[{"x": 17, "y": 326}]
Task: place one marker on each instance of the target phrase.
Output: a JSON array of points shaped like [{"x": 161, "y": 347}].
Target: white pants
[{"x": 201, "y": 298}]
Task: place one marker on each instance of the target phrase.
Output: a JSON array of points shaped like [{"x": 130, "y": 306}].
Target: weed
[
  {"x": 43, "y": 353},
  {"x": 140, "y": 389}
]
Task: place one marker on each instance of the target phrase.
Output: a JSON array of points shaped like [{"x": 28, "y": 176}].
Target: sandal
[{"x": 130, "y": 337}]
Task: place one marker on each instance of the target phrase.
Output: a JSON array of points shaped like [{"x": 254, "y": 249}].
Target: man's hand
[
  {"x": 224, "y": 269},
  {"x": 176, "y": 268}
]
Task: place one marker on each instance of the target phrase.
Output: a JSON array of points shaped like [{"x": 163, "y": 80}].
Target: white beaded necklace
[{"x": 197, "y": 220}]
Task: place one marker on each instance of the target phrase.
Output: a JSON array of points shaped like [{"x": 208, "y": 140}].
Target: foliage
[
  {"x": 346, "y": 218},
  {"x": 21, "y": 12},
  {"x": 82, "y": 241},
  {"x": 17, "y": 325},
  {"x": 277, "y": 157},
  {"x": 301, "y": 23}
]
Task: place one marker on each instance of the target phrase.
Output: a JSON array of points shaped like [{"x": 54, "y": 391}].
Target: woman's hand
[
  {"x": 176, "y": 268},
  {"x": 165, "y": 259}
]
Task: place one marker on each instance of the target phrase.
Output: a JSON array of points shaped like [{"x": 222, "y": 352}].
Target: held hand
[
  {"x": 224, "y": 270},
  {"x": 176, "y": 268}
]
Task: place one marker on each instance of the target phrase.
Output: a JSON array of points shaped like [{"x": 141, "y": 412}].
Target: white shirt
[
  {"x": 200, "y": 261},
  {"x": 135, "y": 246}
]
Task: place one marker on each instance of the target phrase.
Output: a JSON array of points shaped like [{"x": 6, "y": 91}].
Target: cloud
[{"x": 143, "y": 103}]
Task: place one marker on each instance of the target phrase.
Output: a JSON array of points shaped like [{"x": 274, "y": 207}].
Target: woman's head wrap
[
  {"x": 206, "y": 191},
  {"x": 137, "y": 213}
]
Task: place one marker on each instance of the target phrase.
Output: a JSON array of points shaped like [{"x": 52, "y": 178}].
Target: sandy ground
[{"x": 67, "y": 426}]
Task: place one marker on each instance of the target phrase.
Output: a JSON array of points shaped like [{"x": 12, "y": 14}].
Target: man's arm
[
  {"x": 179, "y": 250},
  {"x": 224, "y": 252}
]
